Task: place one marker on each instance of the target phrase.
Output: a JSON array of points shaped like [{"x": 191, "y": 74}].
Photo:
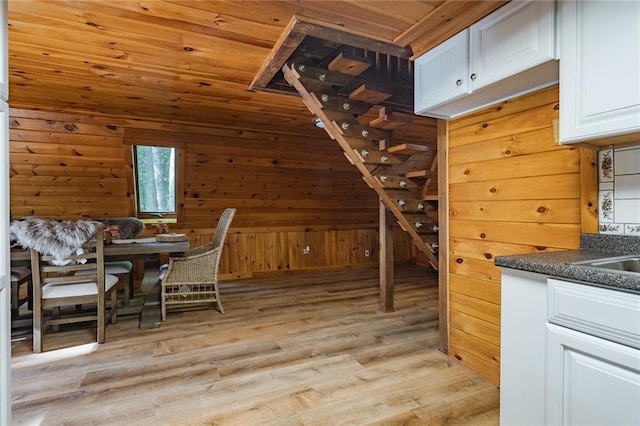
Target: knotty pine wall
[
  {"x": 510, "y": 191},
  {"x": 290, "y": 190}
]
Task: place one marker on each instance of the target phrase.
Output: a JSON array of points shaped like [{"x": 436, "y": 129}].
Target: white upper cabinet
[
  {"x": 508, "y": 53},
  {"x": 517, "y": 37},
  {"x": 441, "y": 75},
  {"x": 599, "y": 69}
]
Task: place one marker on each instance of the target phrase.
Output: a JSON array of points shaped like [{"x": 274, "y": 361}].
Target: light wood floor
[{"x": 298, "y": 349}]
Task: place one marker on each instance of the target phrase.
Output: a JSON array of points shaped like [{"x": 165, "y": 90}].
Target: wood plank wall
[
  {"x": 511, "y": 191},
  {"x": 290, "y": 190}
]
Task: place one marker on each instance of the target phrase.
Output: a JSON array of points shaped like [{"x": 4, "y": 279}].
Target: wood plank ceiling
[{"x": 193, "y": 61}]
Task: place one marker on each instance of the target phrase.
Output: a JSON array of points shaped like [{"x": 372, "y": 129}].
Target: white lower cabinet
[
  {"x": 592, "y": 369},
  {"x": 590, "y": 381},
  {"x": 570, "y": 353}
]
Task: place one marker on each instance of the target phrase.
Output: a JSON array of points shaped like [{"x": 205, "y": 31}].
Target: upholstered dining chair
[
  {"x": 57, "y": 285},
  {"x": 123, "y": 269},
  {"x": 192, "y": 280},
  {"x": 20, "y": 275}
]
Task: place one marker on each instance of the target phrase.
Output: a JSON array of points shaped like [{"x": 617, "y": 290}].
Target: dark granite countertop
[{"x": 592, "y": 246}]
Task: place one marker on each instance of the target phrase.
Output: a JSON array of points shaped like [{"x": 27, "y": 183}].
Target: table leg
[{"x": 150, "y": 315}]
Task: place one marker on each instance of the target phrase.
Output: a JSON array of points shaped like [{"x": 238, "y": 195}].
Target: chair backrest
[
  {"x": 223, "y": 227},
  {"x": 218, "y": 236},
  {"x": 91, "y": 261}
]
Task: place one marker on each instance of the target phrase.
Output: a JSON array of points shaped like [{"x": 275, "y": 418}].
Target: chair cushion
[
  {"x": 71, "y": 289},
  {"x": 19, "y": 274},
  {"x": 115, "y": 268},
  {"x": 123, "y": 265}
]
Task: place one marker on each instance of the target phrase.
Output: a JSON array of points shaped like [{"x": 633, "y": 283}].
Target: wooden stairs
[{"x": 364, "y": 129}]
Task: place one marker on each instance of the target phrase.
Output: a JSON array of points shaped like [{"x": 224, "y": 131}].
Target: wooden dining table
[
  {"x": 120, "y": 249},
  {"x": 140, "y": 248}
]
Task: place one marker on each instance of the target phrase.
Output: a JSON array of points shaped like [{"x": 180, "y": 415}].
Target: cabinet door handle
[
  {"x": 458, "y": 82},
  {"x": 473, "y": 76}
]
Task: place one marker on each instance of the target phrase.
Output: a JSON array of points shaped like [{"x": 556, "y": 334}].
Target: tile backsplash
[{"x": 619, "y": 190}]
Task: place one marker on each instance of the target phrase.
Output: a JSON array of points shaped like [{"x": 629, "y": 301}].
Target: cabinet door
[
  {"x": 590, "y": 380},
  {"x": 599, "y": 69},
  {"x": 517, "y": 37},
  {"x": 441, "y": 73}
]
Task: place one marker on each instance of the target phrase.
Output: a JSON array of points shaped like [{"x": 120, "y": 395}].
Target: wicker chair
[
  {"x": 55, "y": 286},
  {"x": 192, "y": 280}
]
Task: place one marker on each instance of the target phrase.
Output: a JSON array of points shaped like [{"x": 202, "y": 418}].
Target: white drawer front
[{"x": 609, "y": 314}]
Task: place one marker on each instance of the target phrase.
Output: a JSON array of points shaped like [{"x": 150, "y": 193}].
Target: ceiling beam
[{"x": 443, "y": 22}]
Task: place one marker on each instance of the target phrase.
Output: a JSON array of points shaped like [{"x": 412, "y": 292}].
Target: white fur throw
[{"x": 59, "y": 239}]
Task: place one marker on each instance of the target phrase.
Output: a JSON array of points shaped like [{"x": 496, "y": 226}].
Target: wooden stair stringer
[
  {"x": 333, "y": 130},
  {"x": 403, "y": 221}
]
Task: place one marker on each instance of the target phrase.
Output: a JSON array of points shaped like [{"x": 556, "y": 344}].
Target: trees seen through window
[{"x": 155, "y": 169}]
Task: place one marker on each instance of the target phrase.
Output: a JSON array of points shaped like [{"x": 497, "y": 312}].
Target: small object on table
[{"x": 171, "y": 237}]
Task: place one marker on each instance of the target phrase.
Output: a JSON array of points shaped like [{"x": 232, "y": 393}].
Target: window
[{"x": 155, "y": 177}]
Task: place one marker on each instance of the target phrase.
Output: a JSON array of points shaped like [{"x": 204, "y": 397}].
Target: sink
[{"x": 626, "y": 264}]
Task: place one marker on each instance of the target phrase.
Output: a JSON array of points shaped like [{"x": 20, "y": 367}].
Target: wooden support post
[
  {"x": 386, "y": 259},
  {"x": 443, "y": 233}
]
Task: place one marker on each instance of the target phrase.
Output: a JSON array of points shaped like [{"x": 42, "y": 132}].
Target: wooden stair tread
[
  {"x": 376, "y": 157},
  {"x": 408, "y": 148},
  {"x": 341, "y": 103},
  {"x": 416, "y": 174},
  {"x": 409, "y": 205},
  {"x": 370, "y": 94},
  {"x": 424, "y": 227},
  {"x": 347, "y": 126},
  {"x": 395, "y": 182},
  {"x": 418, "y": 206},
  {"x": 348, "y": 64},
  {"x": 371, "y": 114},
  {"x": 388, "y": 122},
  {"x": 360, "y": 144},
  {"x": 306, "y": 73}
]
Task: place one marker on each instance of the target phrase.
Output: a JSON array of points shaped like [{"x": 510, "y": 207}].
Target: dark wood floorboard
[{"x": 293, "y": 349}]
